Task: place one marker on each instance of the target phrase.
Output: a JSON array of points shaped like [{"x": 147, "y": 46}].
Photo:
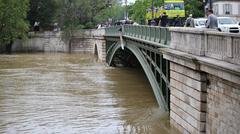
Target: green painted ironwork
[
  {"x": 158, "y": 92},
  {"x": 143, "y": 42},
  {"x": 158, "y": 35},
  {"x": 112, "y": 31}
]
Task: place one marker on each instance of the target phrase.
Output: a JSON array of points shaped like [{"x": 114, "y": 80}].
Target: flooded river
[{"x": 75, "y": 94}]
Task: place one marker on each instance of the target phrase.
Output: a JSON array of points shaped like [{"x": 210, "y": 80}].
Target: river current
[{"x": 75, "y": 94}]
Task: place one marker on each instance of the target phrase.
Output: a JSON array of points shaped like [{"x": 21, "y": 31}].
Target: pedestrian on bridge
[
  {"x": 164, "y": 20},
  {"x": 154, "y": 22},
  {"x": 189, "y": 21},
  {"x": 212, "y": 20},
  {"x": 177, "y": 21}
]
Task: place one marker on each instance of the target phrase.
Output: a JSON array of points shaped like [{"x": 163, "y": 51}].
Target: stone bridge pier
[
  {"x": 204, "y": 80},
  {"x": 204, "y": 70},
  {"x": 90, "y": 41}
]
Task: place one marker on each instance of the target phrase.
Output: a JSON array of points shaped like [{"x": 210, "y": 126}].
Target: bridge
[
  {"x": 143, "y": 42},
  {"x": 194, "y": 73}
]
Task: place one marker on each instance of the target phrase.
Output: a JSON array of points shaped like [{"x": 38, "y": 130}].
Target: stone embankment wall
[
  {"x": 84, "y": 41},
  {"x": 205, "y": 81},
  {"x": 41, "y": 42}
]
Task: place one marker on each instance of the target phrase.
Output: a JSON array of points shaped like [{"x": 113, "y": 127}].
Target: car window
[
  {"x": 202, "y": 22},
  {"x": 226, "y": 21}
]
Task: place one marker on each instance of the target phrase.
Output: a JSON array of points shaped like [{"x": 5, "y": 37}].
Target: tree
[
  {"x": 114, "y": 11},
  {"x": 88, "y": 13},
  {"x": 138, "y": 10},
  {"x": 13, "y": 23},
  {"x": 195, "y": 7},
  {"x": 43, "y": 11}
]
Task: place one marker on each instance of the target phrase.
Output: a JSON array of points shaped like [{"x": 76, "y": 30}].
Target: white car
[
  {"x": 228, "y": 24},
  {"x": 200, "y": 22}
]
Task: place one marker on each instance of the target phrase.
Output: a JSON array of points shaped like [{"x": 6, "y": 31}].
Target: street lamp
[
  {"x": 126, "y": 13},
  {"x": 210, "y": 4}
]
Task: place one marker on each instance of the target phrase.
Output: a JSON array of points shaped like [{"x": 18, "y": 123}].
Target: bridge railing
[
  {"x": 156, "y": 35},
  {"x": 112, "y": 31},
  {"x": 207, "y": 43}
]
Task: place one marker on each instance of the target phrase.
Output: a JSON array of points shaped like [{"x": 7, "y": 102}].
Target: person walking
[
  {"x": 163, "y": 20},
  {"x": 189, "y": 21},
  {"x": 177, "y": 21},
  {"x": 212, "y": 20},
  {"x": 153, "y": 22},
  {"x": 36, "y": 26}
]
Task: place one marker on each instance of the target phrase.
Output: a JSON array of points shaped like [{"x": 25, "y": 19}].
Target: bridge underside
[{"x": 136, "y": 54}]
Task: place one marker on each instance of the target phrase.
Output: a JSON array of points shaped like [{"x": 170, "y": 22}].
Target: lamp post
[
  {"x": 109, "y": 5},
  {"x": 126, "y": 13},
  {"x": 210, "y": 4}
]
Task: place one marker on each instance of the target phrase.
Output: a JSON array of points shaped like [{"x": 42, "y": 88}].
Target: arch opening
[
  {"x": 125, "y": 58},
  {"x": 132, "y": 56}
]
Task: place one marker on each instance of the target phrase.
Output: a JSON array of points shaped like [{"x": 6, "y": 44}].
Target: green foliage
[
  {"x": 88, "y": 13},
  {"x": 115, "y": 12},
  {"x": 13, "y": 22},
  {"x": 43, "y": 11},
  {"x": 138, "y": 10},
  {"x": 195, "y": 7}
]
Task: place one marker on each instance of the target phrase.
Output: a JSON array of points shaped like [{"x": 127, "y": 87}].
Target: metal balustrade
[
  {"x": 157, "y": 35},
  {"x": 112, "y": 31}
]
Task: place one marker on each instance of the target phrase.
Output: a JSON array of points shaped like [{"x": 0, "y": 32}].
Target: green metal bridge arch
[{"x": 145, "y": 48}]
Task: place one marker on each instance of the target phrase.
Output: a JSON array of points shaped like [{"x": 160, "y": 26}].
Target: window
[
  {"x": 215, "y": 9},
  {"x": 174, "y": 6},
  {"x": 227, "y": 9},
  {"x": 224, "y": 21}
]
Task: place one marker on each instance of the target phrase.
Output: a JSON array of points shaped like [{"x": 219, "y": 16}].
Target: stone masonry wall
[
  {"x": 188, "y": 99},
  {"x": 204, "y": 63},
  {"x": 90, "y": 45},
  {"x": 85, "y": 41},
  {"x": 82, "y": 45},
  {"x": 100, "y": 46},
  {"x": 41, "y": 42},
  {"x": 223, "y": 115}
]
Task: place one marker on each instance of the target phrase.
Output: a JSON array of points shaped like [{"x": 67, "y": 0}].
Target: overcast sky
[{"x": 131, "y": 1}]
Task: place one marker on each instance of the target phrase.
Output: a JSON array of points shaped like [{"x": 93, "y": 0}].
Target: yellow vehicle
[{"x": 172, "y": 9}]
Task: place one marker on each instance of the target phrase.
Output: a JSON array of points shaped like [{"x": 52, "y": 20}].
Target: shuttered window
[{"x": 227, "y": 9}]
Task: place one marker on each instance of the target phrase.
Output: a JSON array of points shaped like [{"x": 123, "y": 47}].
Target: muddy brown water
[{"x": 75, "y": 94}]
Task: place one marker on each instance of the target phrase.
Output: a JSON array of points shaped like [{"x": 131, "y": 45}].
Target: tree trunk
[
  {"x": 9, "y": 47},
  {"x": 70, "y": 45}
]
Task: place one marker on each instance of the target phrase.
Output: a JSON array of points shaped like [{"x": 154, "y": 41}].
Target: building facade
[{"x": 230, "y": 8}]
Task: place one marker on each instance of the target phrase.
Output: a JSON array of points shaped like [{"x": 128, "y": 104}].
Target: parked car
[
  {"x": 122, "y": 22},
  {"x": 200, "y": 22},
  {"x": 228, "y": 24}
]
